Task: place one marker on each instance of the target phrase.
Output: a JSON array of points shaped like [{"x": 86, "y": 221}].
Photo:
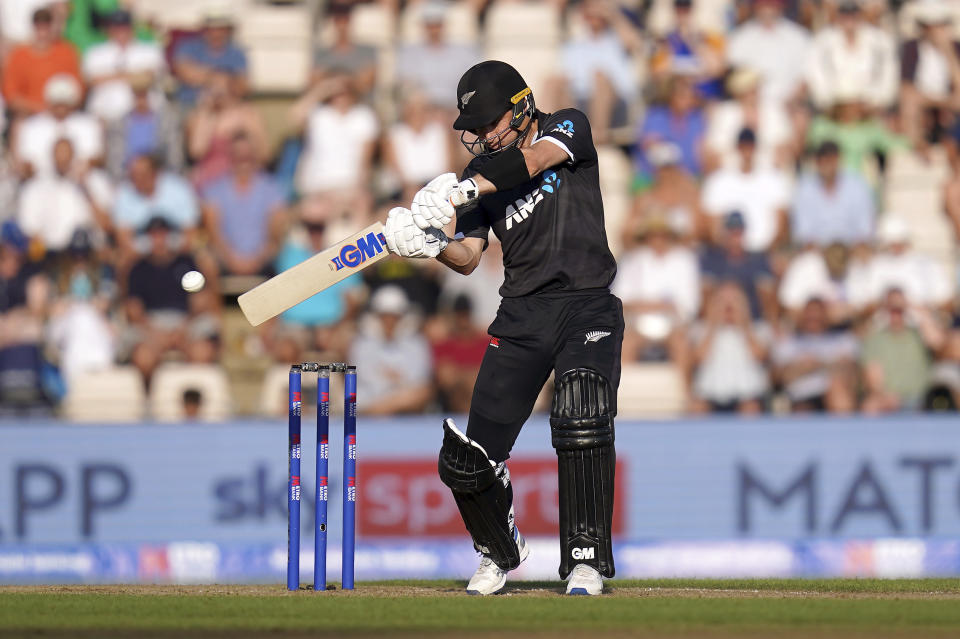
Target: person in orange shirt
[{"x": 30, "y": 65}]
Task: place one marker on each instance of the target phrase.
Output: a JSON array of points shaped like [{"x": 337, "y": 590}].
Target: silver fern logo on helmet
[{"x": 465, "y": 98}]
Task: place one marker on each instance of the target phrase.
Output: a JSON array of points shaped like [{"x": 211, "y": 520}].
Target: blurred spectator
[
  {"x": 659, "y": 284},
  {"x": 150, "y": 128},
  {"x": 54, "y": 206},
  {"x": 192, "y": 404},
  {"x": 29, "y": 66},
  {"x": 759, "y": 192},
  {"x": 344, "y": 56},
  {"x": 853, "y": 56},
  {"x": 244, "y": 212},
  {"x": 36, "y": 135},
  {"x": 766, "y": 118},
  {"x": 774, "y": 46},
  {"x": 860, "y": 137},
  {"x": 85, "y": 24},
  {"x": 920, "y": 278},
  {"x": 80, "y": 331},
  {"x": 435, "y": 66},
  {"x": 598, "y": 68},
  {"x": 221, "y": 113},
  {"x": 457, "y": 357},
  {"x": 482, "y": 287},
  {"x": 680, "y": 121},
  {"x": 151, "y": 192},
  {"x": 341, "y": 135},
  {"x": 111, "y": 66},
  {"x": 17, "y": 19},
  {"x": 198, "y": 60},
  {"x": 897, "y": 353},
  {"x": 730, "y": 261},
  {"x": 163, "y": 318},
  {"x": 929, "y": 76},
  {"x": 817, "y": 366},
  {"x": 417, "y": 147},
  {"x": 830, "y": 204},
  {"x": 689, "y": 51},
  {"x": 728, "y": 355},
  {"x": 318, "y": 323},
  {"x": 673, "y": 194},
  {"x": 394, "y": 357},
  {"x": 821, "y": 274}
]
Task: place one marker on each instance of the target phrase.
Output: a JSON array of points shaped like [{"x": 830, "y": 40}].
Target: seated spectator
[
  {"x": 244, "y": 212},
  {"x": 730, "y": 261},
  {"x": 151, "y": 192},
  {"x": 16, "y": 19},
  {"x": 322, "y": 322},
  {"x": 896, "y": 357},
  {"x": 855, "y": 56},
  {"x": 817, "y": 366},
  {"x": 85, "y": 26},
  {"x": 920, "y": 278},
  {"x": 337, "y": 160},
  {"x": 774, "y": 46},
  {"x": 163, "y": 318},
  {"x": 80, "y": 331},
  {"x": 673, "y": 195},
  {"x": 728, "y": 356},
  {"x": 36, "y": 135},
  {"x": 659, "y": 285},
  {"x": 860, "y": 137},
  {"x": 823, "y": 274},
  {"x": 221, "y": 114},
  {"x": 29, "y": 66},
  {"x": 929, "y": 70},
  {"x": 436, "y": 64},
  {"x": 830, "y": 204},
  {"x": 198, "y": 60},
  {"x": 111, "y": 66},
  {"x": 457, "y": 357},
  {"x": 598, "y": 69},
  {"x": 150, "y": 128},
  {"x": 680, "y": 122},
  {"x": 690, "y": 51},
  {"x": 53, "y": 207},
  {"x": 345, "y": 56},
  {"x": 417, "y": 147},
  {"x": 768, "y": 119},
  {"x": 758, "y": 191},
  {"x": 394, "y": 357}
]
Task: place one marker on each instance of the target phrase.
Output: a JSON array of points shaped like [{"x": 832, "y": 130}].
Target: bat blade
[{"x": 306, "y": 279}]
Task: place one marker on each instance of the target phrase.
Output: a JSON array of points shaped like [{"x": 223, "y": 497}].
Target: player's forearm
[{"x": 459, "y": 257}]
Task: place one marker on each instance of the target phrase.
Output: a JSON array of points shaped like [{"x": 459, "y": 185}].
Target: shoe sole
[{"x": 581, "y": 592}]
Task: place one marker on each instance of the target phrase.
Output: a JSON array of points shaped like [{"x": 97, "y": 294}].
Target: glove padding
[
  {"x": 407, "y": 239},
  {"x": 464, "y": 193},
  {"x": 431, "y": 205}
]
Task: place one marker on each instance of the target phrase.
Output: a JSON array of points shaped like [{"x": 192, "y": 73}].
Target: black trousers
[{"x": 531, "y": 337}]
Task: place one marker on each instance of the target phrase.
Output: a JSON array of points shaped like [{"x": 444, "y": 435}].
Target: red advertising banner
[{"x": 405, "y": 497}]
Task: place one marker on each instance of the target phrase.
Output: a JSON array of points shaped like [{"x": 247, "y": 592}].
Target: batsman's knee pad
[
  {"x": 581, "y": 427},
  {"x": 483, "y": 494}
]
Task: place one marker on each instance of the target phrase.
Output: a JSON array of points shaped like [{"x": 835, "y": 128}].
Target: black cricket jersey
[{"x": 551, "y": 227}]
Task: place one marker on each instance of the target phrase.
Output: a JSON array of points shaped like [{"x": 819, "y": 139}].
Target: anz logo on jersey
[{"x": 524, "y": 207}]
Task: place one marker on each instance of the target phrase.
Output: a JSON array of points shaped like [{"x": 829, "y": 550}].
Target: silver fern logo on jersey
[{"x": 595, "y": 336}]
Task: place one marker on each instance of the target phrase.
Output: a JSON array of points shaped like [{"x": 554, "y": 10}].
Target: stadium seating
[
  {"x": 172, "y": 379},
  {"x": 111, "y": 395}
]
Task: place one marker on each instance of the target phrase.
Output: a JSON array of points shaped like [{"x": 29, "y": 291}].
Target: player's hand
[
  {"x": 464, "y": 192},
  {"x": 431, "y": 205},
  {"x": 407, "y": 239}
]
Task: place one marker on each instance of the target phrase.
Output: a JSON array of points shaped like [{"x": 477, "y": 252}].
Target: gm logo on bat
[{"x": 353, "y": 255}]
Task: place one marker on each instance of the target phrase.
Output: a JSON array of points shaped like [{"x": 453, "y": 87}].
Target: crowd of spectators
[{"x": 758, "y": 255}]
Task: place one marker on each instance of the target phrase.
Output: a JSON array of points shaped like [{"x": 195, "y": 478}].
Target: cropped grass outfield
[{"x": 646, "y": 608}]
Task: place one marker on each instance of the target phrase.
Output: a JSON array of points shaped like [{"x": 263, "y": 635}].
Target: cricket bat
[{"x": 306, "y": 279}]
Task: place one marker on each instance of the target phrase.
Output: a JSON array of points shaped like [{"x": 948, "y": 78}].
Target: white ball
[{"x": 193, "y": 281}]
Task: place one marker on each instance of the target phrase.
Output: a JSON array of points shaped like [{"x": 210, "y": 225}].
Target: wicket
[{"x": 321, "y": 493}]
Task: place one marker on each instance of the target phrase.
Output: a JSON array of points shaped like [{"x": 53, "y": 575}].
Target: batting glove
[
  {"x": 407, "y": 239},
  {"x": 431, "y": 205},
  {"x": 464, "y": 193}
]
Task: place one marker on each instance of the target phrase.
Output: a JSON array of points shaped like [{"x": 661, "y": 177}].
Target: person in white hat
[{"x": 34, "y": 140}]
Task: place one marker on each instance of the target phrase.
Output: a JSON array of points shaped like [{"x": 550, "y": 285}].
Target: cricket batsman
[{"x": 534, "y": 181}]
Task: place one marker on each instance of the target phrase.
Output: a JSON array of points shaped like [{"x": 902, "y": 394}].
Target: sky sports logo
[{"x": 353, "y": 255}]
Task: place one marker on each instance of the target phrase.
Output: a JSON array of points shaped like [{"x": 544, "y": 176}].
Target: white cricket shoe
[
  {"x": 584, "y": 580},
  {"x": 490, "y": 578}
]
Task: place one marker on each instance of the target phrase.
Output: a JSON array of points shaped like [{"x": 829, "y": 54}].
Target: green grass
[{"x": 682, "y": 608}]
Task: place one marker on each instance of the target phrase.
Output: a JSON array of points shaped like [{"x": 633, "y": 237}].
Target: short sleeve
[
  {"x": 472, "y": 222},
  {"x": 570, "y": 130}
]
